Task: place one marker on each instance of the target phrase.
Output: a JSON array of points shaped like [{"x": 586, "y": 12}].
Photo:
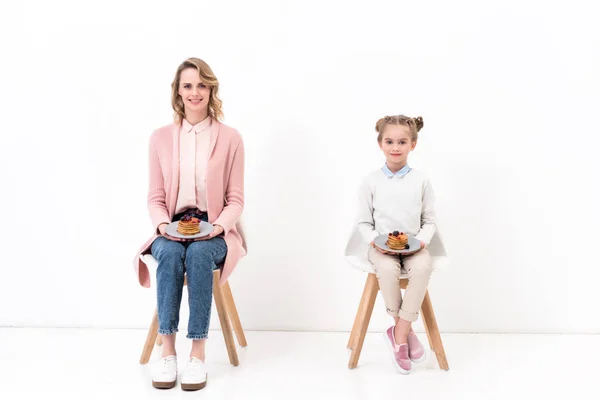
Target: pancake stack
[
  {"x": 188, "y": 226},
  {"x": 397, "y": 241}
]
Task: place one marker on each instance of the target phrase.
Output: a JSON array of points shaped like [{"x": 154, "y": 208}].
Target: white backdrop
[{"x": 508, "y": 91}]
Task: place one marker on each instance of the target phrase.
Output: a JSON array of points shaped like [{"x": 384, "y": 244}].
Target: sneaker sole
[
  {"x": 391, "y": 353},
  {"x": 164, "y": 385},
  {"x": 193, "y": 386}
]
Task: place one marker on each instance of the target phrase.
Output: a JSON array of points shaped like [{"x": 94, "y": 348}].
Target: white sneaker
[
  {"x": 165, "y": 374},
  {"x": 194, "y": 377}
]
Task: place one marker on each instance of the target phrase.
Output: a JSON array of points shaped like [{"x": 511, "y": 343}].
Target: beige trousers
[{"x": 388, "y": 270}]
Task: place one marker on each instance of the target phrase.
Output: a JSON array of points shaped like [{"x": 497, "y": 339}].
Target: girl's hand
[
  {"x": 381, "y": 250},
  {"x": 217, "y": 230}
]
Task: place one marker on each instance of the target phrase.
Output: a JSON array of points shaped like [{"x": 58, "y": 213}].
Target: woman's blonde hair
[
  {"x": 414, "y": 124},
  {"x": 207, "y": 76}
]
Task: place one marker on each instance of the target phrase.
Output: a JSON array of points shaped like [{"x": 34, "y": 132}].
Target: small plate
[
  {"x": 205, "y": 230},
  {"x": 413, "y": 244}
]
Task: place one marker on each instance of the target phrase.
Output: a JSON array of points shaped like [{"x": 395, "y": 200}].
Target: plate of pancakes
[
  {"x": 397, "y": 242},
  {"x": 189, "y": 227}
]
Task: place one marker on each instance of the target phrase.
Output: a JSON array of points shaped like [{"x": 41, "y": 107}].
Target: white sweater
[
  {"x": 400, "y": 202},
  {"x": 388, "y": 202}
]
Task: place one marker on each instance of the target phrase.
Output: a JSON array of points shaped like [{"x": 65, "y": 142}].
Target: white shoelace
[
  {"x": 167, "y": 361},
  {"x": 193, "y": 366}
]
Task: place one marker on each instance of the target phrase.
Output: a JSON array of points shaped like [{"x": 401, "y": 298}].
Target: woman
[{"x": 196, "y": 168}]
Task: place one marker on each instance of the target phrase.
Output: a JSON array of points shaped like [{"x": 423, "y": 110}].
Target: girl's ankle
[{"x": 401, "y": 339}]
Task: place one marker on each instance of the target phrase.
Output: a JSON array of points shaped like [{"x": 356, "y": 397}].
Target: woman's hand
[
  {"x": 217, "y": 230},
  {"x": 162, "y": 228}
]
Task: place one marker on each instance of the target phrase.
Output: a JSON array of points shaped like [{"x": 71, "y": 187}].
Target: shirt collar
[
  {"x": 405, "y": 170},
  {"x": 199, "y": 127}
]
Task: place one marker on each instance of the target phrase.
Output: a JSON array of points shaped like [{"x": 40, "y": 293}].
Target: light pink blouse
[{"x": 193, "y": 160}]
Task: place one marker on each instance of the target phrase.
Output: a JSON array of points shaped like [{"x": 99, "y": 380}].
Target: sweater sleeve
[
  {"x": 234, "y": 193},
  {"x": 428, "y": 227},
  {"x": 366, "y": 224},
  {"x": 156, "y": 190}
]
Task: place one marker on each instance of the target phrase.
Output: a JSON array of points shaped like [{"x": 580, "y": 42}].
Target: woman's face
[{"x": 194, "y": 93}]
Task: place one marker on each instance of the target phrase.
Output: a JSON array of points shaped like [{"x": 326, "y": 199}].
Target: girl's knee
[
  {"x": 387, "y": 268},
  {"x": 420, "y": 269}
]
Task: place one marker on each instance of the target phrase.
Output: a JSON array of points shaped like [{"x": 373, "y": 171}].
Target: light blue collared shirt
[{"x": 405, "y": 170}]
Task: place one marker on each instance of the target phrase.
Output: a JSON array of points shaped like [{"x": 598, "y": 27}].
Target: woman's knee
[
  {"x": 165, "y": 250},
  {"x": 204, "y": 252}
]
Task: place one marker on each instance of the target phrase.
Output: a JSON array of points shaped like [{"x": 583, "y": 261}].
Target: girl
[
  {"x": 196, "y": 168},
  {"x": 397, "y": 198}
]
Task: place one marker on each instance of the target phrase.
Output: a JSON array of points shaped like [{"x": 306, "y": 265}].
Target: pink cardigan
[{"x": 224, "y": 190}]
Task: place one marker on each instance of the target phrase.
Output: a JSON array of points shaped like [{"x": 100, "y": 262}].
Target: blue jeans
[{"x": 198, "y": 260}]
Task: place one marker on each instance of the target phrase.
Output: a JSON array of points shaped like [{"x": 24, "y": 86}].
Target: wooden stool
[
  {"x": 363, "y": 317},
  {"x": 225, "y": 308}
]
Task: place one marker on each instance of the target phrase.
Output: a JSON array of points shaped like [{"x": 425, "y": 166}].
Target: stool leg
[
  {"x": 372, "y": 288},
  {"x": 159, "y": 339},
  {"x": 434, "y": 332},
  {"x": 359, "y": 312},
  {"x": 233, "y": 314},
  {"x": 150, "y": 339},
  {"x": 224, "y": 319},
  {"x": 428, "y": 334}
]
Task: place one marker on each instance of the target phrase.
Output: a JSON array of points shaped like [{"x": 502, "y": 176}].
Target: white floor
[{"x": 103, "y": 364}]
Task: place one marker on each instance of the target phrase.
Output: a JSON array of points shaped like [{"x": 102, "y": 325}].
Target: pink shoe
[
  {"x": 416, "y": 351},
  {"x": 399, "y": 352}
]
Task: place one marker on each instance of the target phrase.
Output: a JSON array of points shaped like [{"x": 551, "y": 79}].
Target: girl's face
[
  {"x": 396, "y": 143},
  {"x": 194, "y": 93}
]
